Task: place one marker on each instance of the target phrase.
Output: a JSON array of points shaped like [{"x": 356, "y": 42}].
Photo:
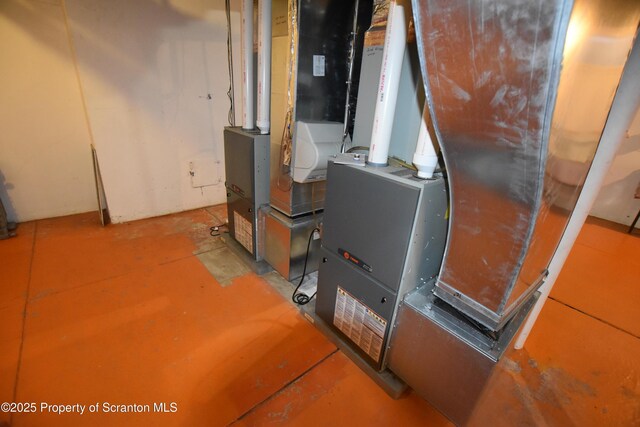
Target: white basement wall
[
  {"x": 154, "y": 77},
  {"x": 45, "y": 156},
  {"x": 616, "y": 200}
]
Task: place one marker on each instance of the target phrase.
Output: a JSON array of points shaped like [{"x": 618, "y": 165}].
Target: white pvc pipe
[
  {"x": 394, "y": 45},
  {"x": 247, "y": 64},
  {"x": 625, "y": 105},
  {"x": 425, "y": 158},
  {"x": 264, "y": 65}
]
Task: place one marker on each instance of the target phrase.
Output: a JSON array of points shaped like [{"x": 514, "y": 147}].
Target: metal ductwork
[{"x": 503, "y": 90}]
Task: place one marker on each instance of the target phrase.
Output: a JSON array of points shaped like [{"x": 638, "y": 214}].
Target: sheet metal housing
[
  {"x": 246, "y": 180},
  {"x": 286, "y": 242},
  {"x": 456, "y": 360},
  {"x": 390, "y": 221},
  {"x": 507, "y": 100},
  {"x": 303, "y": 29}
]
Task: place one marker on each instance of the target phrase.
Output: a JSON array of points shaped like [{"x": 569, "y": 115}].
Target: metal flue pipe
[
  {"x": 393, "y": 54},
  {"x": 264, "y": 65},
  {"x": 247, "y": 64}
]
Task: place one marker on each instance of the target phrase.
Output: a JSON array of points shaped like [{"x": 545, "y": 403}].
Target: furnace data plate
[
  {"x": 361, "y": 324},
  {"x": 243, "y": 231}
]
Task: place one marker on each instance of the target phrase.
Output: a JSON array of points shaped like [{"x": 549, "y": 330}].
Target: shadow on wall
[
  {"x": 5, "y": 199},
  {"x": 154, "y": 80},
  {"x": 618, "y": 197},
  {"x": 632, "y": 144},
  {"x": 105, "y": 29}
]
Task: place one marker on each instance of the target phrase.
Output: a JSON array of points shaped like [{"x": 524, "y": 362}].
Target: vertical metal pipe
[
  {"x": 393, "y": 54},
  {"x": 425, "y": 158},
  {"x": 264, "y": 65},
  {"x": 247, "y": 64}
]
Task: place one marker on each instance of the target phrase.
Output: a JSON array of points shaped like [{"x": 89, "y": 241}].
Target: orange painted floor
[{"x": 127, "y": 314}]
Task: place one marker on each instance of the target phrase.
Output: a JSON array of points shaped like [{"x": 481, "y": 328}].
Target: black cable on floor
[
  {"x": 214, "y": 231},
  {"x": 300, "y": 298}
]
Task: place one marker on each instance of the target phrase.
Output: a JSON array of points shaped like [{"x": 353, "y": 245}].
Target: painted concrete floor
[{"x": 129, "y": 314}]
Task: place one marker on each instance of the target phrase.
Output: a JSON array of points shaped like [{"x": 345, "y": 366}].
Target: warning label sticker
[
  {"x": 361, "y": 324},
  {"x": 243, "y": 231},
  {"x": 318, "y": 66}
]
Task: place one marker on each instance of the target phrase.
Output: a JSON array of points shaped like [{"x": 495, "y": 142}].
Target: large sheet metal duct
[
  {"x": 618, "y": 128},
  {"x": 508, "y": 104}
]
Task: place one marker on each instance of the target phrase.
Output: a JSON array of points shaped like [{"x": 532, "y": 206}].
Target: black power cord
[
  {"x": 300, "y": 298},
  {"x": 215, "y": 230},
  {"x": 232, "y": 109}
]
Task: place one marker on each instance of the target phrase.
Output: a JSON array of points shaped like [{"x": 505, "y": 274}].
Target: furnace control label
[
  {"x": 318, "y": 65},
  {"x": 361, "y": 324},
  {"x": 243, "y": 231}
]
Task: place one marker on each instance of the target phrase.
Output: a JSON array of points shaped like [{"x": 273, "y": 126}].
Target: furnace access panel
[{"x": 384, "y": 234}]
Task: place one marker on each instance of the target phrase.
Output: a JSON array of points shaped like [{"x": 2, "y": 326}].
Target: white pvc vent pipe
[
  {"x": 394, "y": 46},
  {"x": 264, "y": 65},
  {"x": 425, "y": 158},
  {"x": 247, "y": 64}
]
